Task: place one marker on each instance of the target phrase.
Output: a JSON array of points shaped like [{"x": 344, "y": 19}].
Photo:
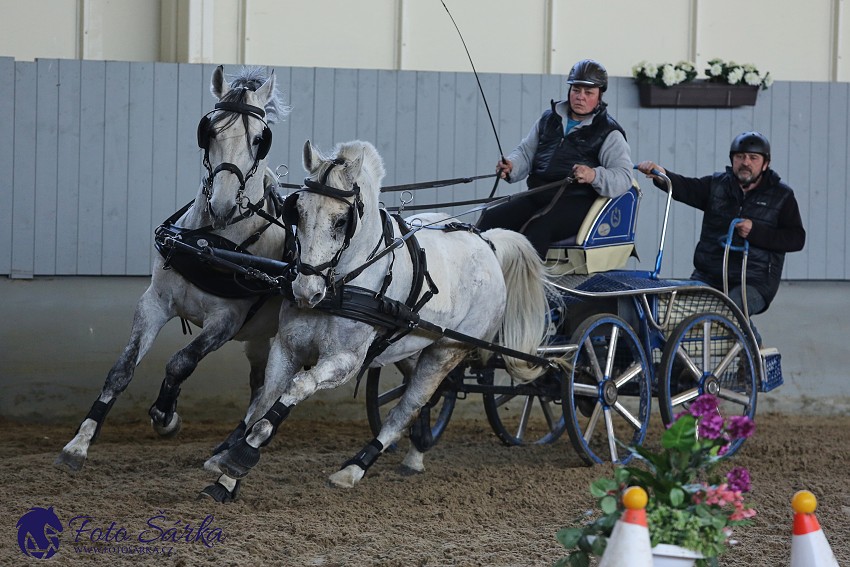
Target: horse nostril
[{"x": 317, "y": 298}]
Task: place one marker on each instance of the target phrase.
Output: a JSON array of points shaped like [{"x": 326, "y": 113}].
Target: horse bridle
[
  {"x": 247, "y": 111},
  {"x": 355, "y": 212}
]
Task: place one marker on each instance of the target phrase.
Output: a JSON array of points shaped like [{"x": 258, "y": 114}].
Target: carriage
[
  {"x": 457, "y": 311},
  {"x": 630, "y": 336}
]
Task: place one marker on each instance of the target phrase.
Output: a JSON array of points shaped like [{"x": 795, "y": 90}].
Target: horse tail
[{"x": 525, "y": 321}]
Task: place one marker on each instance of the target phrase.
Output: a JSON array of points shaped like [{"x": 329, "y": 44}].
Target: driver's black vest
[
  {"x": 761, "y": 205},
  {"x": 557, "y": 154}
]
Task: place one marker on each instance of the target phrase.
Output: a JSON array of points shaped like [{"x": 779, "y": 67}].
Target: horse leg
[
  {"x": 431, "y": 368},
  {"x": 329, "y": 372},
  {"x": 257, "y": 352},
  {"x": 150, "y": 316},
  {"x": 216, "y": 332}
]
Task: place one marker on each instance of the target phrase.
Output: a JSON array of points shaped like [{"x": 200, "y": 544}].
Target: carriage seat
[{"x": 605, "y": 240}]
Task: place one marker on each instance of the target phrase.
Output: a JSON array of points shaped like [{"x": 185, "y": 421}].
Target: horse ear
[
  {"x": 310, "y": 157},
  {"x": 266, "y": 95},
  {"x": 218, "y": 84},
  {"x": 353, "y": 167}
]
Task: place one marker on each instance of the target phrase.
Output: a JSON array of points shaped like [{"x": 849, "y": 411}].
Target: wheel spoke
[
  {"x": 727, "y": 360},
  {"x": 684, "y": 397},
  {"x": 612, "y": 350},
  {"x": 547, "y": 413},
  {"x": 627, "y": 415},
  {"x": 594, "y": 362},
  {"x": 706, "y": 344},
  {"x": 591, "y": 424},
  {"x": 524, "y": 417},
  {"x": 734, "y": 397},
  {"x": 683, "y": 356},
  {"x": 612, "y": 441},
  {"x": 503, "y": 399},
  {"x": 588, "y": 390},
  {"x": 628, "y": 375}
]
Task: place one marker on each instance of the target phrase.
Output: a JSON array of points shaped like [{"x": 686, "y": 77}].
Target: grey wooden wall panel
[
  {"x": 7, "y": 121},
  {"x": 279, "y": 152},
  {"x": 140, "y": 166},
  {"x": 366, "y": 110},
  {"x": 115, "y": 167},
  {"x": 323, "y": 115},
  {"x": 115, "y": 151},
  {"x": 46, "y": 183},
  {"x": 838, "y": 162},
  {"x": 165, "y": 164},
  {"x": 92, "y": 140},
  {"x": 23, "y": 181},
  {"x": 300, "y": 122},
  {"x": 344, "y": 106},
  {"x": 68, "y": 168},
  {"x": 425, "y": 135},
  {"x": 193, "y": 101}
]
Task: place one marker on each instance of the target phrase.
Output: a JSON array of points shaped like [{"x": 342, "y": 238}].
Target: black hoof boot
[
  {"x": 231, "y": 440},
  {"x": 219, "y": 493},
  {"x": 238, "y": 461}
]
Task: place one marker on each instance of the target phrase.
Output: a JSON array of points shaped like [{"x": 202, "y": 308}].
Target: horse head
[
  {"x": 336, "y": 215},
  {"x": 236, "y": 138}
]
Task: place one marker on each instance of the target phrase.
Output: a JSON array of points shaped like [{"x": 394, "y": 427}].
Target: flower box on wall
[{"x": 698, "y": 94}]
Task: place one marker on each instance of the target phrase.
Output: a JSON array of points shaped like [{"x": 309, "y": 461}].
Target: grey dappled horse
[
  {"x": 480, "y": 285},
  {"x": 234, "y": 202}
]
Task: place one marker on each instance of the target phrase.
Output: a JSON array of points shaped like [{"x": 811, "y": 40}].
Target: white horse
[
  {"x": 234, "y": 202},
  {"x": 482, "y": 285}
]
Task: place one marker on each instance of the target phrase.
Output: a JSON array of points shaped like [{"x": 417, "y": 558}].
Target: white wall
[{"x": 800, "y": 41}]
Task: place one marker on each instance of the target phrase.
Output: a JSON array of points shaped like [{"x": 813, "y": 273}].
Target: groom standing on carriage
[{"x": 575, "y": 147}]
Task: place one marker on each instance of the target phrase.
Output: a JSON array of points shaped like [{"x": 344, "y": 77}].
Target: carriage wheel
[
  {"x": 708, "y": 354},
  {"x": 607, "y": 395},
  {"x": 382, "y": 396},
  {"x": 526, "y": 418}
]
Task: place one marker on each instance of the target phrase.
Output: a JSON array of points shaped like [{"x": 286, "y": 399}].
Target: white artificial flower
[
  {"x": 668, "y": 75},
  {"x": 749, "y": 68},
  {"x": 680, "y": 76},
  {"x": 752, "y": 78},
  {"x": 651, "y": 70},
  {"x": 768, "y": 80},
  {"x": 735, "y": 76},
  {"x": 715, "y": 70}
]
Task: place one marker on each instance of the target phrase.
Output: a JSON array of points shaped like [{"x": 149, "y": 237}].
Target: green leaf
[
  {"x": 568, "y": 537},
  {"x": 608, "y": 504},
  {"x": 603, "y": 486},
  {"x": 677, "y": 496},
  {"x": 579, "y": 560},
  {"x": 682, "y": 435}
]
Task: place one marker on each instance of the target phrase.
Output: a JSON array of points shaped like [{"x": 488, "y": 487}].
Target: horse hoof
[
  {"x": 219, "y": 493},
  {"x": 347, "y": 477},
  {"x": 171, "y": 429},
  {"x": 69, "y": 462},
  {"x": 405, "y": 470}
]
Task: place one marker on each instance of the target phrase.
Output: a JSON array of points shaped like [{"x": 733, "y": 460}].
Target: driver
[
  {"x": 575, "y": 138},
  {"x": 770, "y": 220}
]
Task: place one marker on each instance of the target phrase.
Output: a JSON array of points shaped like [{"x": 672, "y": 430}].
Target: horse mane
[
  {"x": 252, "y": 78},
  {"x": 372, "y": 166}
]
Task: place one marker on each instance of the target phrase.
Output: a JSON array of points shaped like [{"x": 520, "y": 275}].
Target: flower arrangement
[
  {"x": 664, "y": 74},
  {"x": 689, "y": 505},
  {"x": 719, "y": 71}
]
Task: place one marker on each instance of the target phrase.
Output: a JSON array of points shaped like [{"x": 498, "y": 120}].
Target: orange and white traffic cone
[
  {"x": 809, "y": 547},
  {"x": 629, "y": 542}
]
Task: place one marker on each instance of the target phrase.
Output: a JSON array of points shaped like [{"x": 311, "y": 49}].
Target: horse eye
[
  {"x": 340, "y": 223},
  {"x": 257, "y": 139}
]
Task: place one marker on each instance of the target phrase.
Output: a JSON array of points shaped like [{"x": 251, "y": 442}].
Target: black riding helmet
[
  {"x": 751, "y": 143},
  {"x": 589, "y": 73}
]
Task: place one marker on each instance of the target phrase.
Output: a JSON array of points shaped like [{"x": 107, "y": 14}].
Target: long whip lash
[{"x": 480, "y": 89}]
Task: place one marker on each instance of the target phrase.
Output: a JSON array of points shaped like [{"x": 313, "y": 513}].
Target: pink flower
[
  {"x": 704, "y": 405},
  {"x": 741, "y": 427},
  {"x": 710, "y": 426},
  {"x": 739, "y": 479}
]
